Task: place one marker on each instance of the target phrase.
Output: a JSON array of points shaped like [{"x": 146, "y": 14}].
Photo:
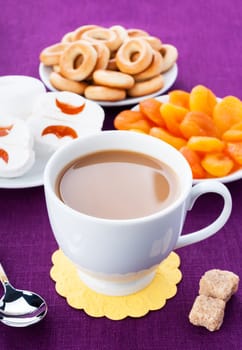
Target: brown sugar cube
[
  {"x": 218, "y": 284},
  {"x": 207, "y": 312}
]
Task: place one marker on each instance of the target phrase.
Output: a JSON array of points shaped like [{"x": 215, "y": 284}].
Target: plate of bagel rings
[
  {"x": 222, "y": 158},
  {"x": 113, "y": 66}
]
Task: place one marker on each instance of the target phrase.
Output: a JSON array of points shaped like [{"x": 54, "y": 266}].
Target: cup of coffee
[{"x": 117, "y": 202}]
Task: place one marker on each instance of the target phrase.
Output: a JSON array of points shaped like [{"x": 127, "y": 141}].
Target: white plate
[
  {"x": 33, "y": 178},
  {"x": 169, "y": 78},
  {"x": 237, "y": 175}
]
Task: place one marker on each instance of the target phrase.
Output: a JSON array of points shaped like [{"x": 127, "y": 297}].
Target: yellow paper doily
[{"x": 79, "y": 296}]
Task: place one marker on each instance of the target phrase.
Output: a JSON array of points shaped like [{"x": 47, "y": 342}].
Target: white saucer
[
  {"x": 33, "y": 178},
  {"x": 237, "y": 175},
  {"x": 169, "y": 79}
]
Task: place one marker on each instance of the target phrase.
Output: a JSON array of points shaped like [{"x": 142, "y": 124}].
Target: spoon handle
[{"x": 3, "y": 276}]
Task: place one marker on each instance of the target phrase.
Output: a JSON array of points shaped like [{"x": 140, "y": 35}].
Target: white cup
[{"x": 120, "y": 257}]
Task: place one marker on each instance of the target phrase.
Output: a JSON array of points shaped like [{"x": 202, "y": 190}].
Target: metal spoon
[{"x": 20, "y": 308}]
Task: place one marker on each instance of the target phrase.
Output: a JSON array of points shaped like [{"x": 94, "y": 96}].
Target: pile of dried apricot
[{"x": 206, "y": 130}]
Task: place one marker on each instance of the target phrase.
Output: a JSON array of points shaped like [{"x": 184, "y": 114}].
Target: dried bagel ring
[
  {"x": 154, "y": 68},
  {"x": 77, "y": 34},
  {"x": 50, "y": 56},
  {"x": 170, "y": 55},
  {"x": 67, "y": 38},
  {"x": 113, "y": 79},
  {"x": 154, "y": 42},
  {"x": 103, "y": 56},
  {"x": 134, "y": 32},
  {"x": 63, "y": 84},
  {"x": 104, "y": 93},
  {"x": 125, "y": 56},
  {"x": 120, "y": 31},
  {"x": 69, "y": 56},
  {"x": 106, "y": 36},
  {"x": 146, "y": 87}
]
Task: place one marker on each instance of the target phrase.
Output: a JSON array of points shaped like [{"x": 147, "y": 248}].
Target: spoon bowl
[{"x": 20, "y": 308}]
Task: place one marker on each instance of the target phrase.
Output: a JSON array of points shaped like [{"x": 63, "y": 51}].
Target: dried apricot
[
  {"x": 227, "y": 113},
  {"x": 141, "y": 124},
  {"x": 197, "y": 124},
  {"x": 69, "y": 109},
  {"x": 5, "y": 130},
  {"x": 173, "y": 115},
  {"x": 4, "y": 155},
  {"x": 179, "y": 98},
  {"x": 202, "y": 99},
  {"x": 237, "y": 126},
  {"x": 164, "y": 135},
  {"x": 151, "y": 109},
  {"x": 232, "y": 135},
  {"x": 60, "y": 131},
  {"x": 217, "y": 164},
  {"x": 129, "y": 119},
  {"x": 205, "y": 144},
  {"x": 194, "y": 161},
  {"x": 234, "y": 149}
]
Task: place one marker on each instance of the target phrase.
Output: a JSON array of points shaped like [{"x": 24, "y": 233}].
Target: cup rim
[{"x": 50, "y": 190}]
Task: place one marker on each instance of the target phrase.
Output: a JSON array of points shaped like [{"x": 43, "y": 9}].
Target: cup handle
[{"x": 196, "y": 191}]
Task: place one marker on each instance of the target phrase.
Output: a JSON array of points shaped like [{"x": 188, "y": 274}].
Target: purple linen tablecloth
[{"x": 208, "y": 35}]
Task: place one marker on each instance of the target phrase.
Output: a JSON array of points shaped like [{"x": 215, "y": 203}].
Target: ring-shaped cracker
[
  {"x": 154, "y": 68},
  {"x": 50, "y": 56},
  {"x": 63, "y": 84},
  {"x": 137, "y": 48},
  {"x": 67, "y": 38},
  {"x": 121, "y": 32},
  {"x": 146, "y": 87},
  {"x": 104, "y": 35},
  {"x": 170, "y": 55},
  {"x": 69, "y": 56},
  {"x": 154, "y": 42},
  {"x": 104, "y": 93},
  {"x": 77, "y": 34},
  {"x": 103, "y": 56},
  {"x": 113, "y": 79},
  {"x": 135, "y": 32}
]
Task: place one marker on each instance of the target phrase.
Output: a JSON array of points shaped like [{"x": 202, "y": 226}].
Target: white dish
[
  {"x": 33, "y": 178},
  {"x": 169, "y": 78},
  {"x": 237, "y": 175}
]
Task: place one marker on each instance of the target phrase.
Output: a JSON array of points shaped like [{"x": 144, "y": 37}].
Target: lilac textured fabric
[{"x": 208, "y": 35}]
